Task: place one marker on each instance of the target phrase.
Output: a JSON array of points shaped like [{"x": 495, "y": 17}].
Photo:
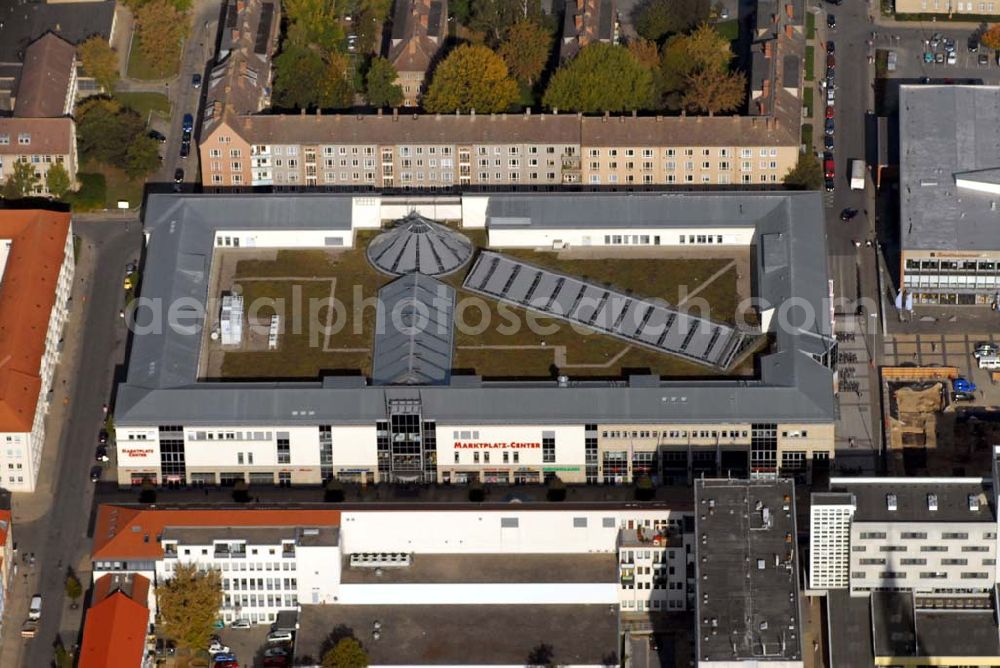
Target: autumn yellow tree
[
  {"x": 99, "y": 61},
  {"x": 991, "y": 38},
  {"x": 189, "y": 604},
  {"x": 161, "y": 29},
  {"x": 472, "y": 77},
  {"x": 525, "y": 49}
]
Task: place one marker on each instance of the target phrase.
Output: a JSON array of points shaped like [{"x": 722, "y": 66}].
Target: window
[
  {"x": 579, "y": 522},
  {"x": 957, "y": 535},
  {"x": 872, "y": 535},
  {"x": 913, "y": 535},
  {"x": 548, "y": 447},
  {"x": 24, "y": 138},
  {"x": 508, "y": 522},
  {"x": 284, "y": 448}
]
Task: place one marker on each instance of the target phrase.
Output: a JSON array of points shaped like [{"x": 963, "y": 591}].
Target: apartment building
[
  {"x": 588, "y": 22},
  {"x": 117, "y": 623},
  {"x": 36, "y": 276},
  {"x": 419, "y": 29},
  {"x": 950, "y": 249},
  {"x": 281, "y": 559},
  {"x": 511, "y": 151},
  {"x": 6, "y": 559},
  {"x": 967, "y": 10},
  {"x": 746, "y": 566},
  {"x": 48, "y": 81}
]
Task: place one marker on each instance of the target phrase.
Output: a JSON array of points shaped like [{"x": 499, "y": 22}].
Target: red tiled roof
[
  {"x": 27, "y": 295},
  {"x": 122, "y": 532},
  {"x": 47, "y": 136},
  {"x": 5, "y": 526},
  {"x": 114, "y": 635}
]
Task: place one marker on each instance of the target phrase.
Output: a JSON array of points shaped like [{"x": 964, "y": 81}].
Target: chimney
[
  {"x": 789, "y": 31},
  {"x": 472, "y": 113},
  {"x": 493, "y": 117},
  {"x": 527, "y": 112},
  {"x": 437, "y": 116},
  {"x": 659, "y": 119},
  {"x": 789, "y": 10},
  {"x": 578, "y": 21},
  {"x": 555, "y": 111},
  {"x": 604, "y": 118},
  {"x": 621, "y": 119},
  {"x": 635, "y": 113}
]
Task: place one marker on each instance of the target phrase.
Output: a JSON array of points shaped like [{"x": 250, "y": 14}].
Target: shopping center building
[{"x": 632, "y": 384}]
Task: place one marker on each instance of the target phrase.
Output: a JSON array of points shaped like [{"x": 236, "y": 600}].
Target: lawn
[
  {"x": 810, "y": 25},
  {"x": 139, "y": 67},
  {"x": 810, "y": 55},
  {"x": 807, "y": 136},
  {"x": 101, "y": 186},
  {"x": 807, "y": 100},
  {"x": 300, "y": 357},
  {"x": 729, "y": 29},
  {"x": 146, "y": 103}
]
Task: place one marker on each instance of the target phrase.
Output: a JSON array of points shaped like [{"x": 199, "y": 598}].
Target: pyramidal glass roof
[{"x": 419, "y": 245}]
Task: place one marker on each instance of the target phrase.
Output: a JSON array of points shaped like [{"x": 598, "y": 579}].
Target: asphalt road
[{"x": 59, "y": 539}]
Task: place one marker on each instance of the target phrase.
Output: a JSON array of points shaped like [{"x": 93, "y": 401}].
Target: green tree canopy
[
  {"x": 57, "y": 181},
  {"x": 142, "y": 157},
  {"x": 646, "y": 52},
  {"x": 99, "y": 61},
  {"x": 299, "y": 73},
  {"x": 74, "y": 589},
  {"x": 313, "y": 23},
  {"x": 602, "y": 77},
  {"x": 161, "y": 29},
  {"x": 105, "y": 129},
  {"x": 807, "y": 174},
  {"x": 347, "y": 653},
  {"x": 471, "y": 77},
  {"x": 21, "y": 182},
  {"x": 700, "y": 60},
  {"x": 525, "y": 49},
  {"x": 657, "y": 19},
  {"x": 189, "y": 605},
  {"x": 381, "y": 89},
  {"x": 494, "y": 17}
]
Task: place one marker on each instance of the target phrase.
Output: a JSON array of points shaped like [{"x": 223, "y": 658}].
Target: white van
[
  {"x": 989, "y": 362},
  {"x": 35, "y": 609}
]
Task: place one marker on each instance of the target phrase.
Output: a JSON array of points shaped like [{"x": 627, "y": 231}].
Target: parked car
[
  {"x": 963, "y": 385},
  {"x": 830, "y": 72},
  {"x": 952, "y": 58},
  {"x": 158, "y": 136},
  {"x": 101, "y": 454},
  {"x": 984, "y": 348},
  {"x": 95, "y": 473},
  {"x": 275, "y": 661},
  {"x": 241, "y": 624},
  {"x": 830, "y": 185},
  {"x": 973, "y": 43},
  {"x": 831, "y": 61},
  {"x": 848, "y": 214},
  {"x": 277, "y": 650},
  {"x": 188, "y": 123},
  {"x": 831, "y": 21},
  {"x": 828, "y": 142},
  {"x": 178, "y": 175},
  {"x": 984, "y": 60},
  {"x": 829, "y": 111},
  {"x": 185, "y": 149},
  {"x": 963, "y": 396},
  {"x": 279, "y": 637},
  {"x": 829, "y": 95},
  {"x": 949, "y": 45},
  {"x": 828, "y": 126},
  {"x": 225, "y": 661},
  {"x": 218, "y": 648},
  {"x": 196, "y": 80},
  {"x": 102, "y": 435},
  {"x": 830, "y": 47},
  {"x": 939, "y": 58},
  {"x": 35, "y": 608}
]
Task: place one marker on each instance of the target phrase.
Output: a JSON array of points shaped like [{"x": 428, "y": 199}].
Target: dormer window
[
  {"x": 4, "y": 140},
  {"x": 24, "y": 138}
]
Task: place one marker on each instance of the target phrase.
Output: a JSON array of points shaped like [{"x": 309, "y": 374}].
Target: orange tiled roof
[
  {"x": 27, "y": 295},
  {"x": 114, "y": 635},
  {"x": 122, "y": 532},
  {"x": 5, "y": 526}
]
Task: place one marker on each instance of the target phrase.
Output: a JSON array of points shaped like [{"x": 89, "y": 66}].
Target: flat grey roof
[
  {"x": 470, "y": 568},
  {"x": 747, "y": 571},
  {"x": 945, "y": 131},
  {"x": 901, "y": 629},
  {"x": 849, "y": 623},
  {"x": 414, "y": 332},
  {"x": 648, "y": 323},
  {"x": 912, "y": 499},
  {"x": 460, "y": 635},
  {"x": 162, "y": 386},
  {"x": 893, "y": 628}
]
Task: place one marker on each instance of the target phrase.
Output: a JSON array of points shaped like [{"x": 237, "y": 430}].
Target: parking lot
[
  {"x": 914, "y": 46},
  {"x": 247, "y": 645}
]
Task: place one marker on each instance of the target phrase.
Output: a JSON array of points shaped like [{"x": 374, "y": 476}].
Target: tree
[
  {"x": 471, "y": 77},
  {"x": 602, "y": 77},
  {"x": 525, "y": 49},
  {"x": 99, "y": 61},
  {"x": 714, "y": 92},
  {"x": 495, "y": 17},
  {"x": 684, "y": 56},
  {"x": 74, "y": 590},
  {"x": 57, "y": 181},
  {"x": 347, "y": 653},
  {"x": 381, "y": 88},
  {"x": 807, "y": 174},
  {"x": 298, "y": 75},
  {"x": 656, "y": 19},
  {"x": 708, "y": 49},
  {"x": 189, "y": 605},
  {"x": 371, "y": 15},
  {"x": 337, "y": 89},
  {"x": 161, "y": 29},
  {"x": 142, "y": 157},
  {"x": 21, "y": 182},
  {"x": 645, "y": 52},
  {"x": 991, "y": 37},
  {"x": 313, "y": 23}
]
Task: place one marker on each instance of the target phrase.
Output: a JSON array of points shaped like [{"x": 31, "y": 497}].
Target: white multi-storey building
[
  {"x": 926, "y": 535},
  {"x": 36, "y": 277}
]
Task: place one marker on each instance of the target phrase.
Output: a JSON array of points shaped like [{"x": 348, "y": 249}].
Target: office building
[
  {"x": 949, "y": 184},
  {"x": 179, "y": 420},
  {"x": 36, "y": 276},
  {"x": 746, "y": 566}
]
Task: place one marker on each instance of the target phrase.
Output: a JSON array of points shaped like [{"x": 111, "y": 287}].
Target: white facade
[
  {"x": 561, "y": 237},
  {"x": 21, "y": 452},
  {"x": 829, "y": 545}
]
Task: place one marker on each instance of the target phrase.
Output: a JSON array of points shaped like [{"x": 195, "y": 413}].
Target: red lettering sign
[{"x": 136, "y": 452}]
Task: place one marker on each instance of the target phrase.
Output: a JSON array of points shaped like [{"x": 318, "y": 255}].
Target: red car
[
  {"x": 829, "y": 112},
  {"x": 828, "y": 168}
]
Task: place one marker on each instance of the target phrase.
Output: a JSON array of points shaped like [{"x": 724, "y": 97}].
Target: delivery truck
[{"x": 857, "y": 174}]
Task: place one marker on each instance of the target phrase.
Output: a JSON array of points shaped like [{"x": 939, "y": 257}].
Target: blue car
[
  {"x": 963, "y": 385},
  {"x": 188, "y": 122}
]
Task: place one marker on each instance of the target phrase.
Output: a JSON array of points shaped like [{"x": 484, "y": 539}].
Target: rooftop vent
[
  {"x": 890, "y": 502},
  {"x": 932, "y": 502},
  {"x": 974, "y": 503}
]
